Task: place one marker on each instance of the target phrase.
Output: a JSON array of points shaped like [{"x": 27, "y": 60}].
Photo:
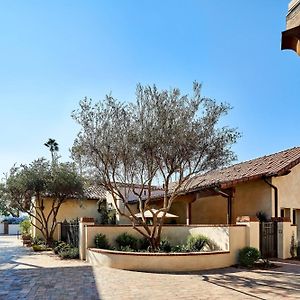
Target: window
[
  {"x": 294, "y": 217},
  {"x": 282, "y": 212}
]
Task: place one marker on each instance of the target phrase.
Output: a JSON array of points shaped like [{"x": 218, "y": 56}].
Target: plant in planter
[
  {"x": 126, "y": 241},
  {"x": 101, "y": 241},
  {"x": 165, "y": 245},
  {"x": 25, "y": 227},
  {"x": 196, "y": 243}
]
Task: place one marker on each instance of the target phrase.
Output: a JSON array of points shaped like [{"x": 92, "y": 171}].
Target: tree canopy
[
  {"x": 161, "y": 134},
  {"x": 27, "y": 187}
]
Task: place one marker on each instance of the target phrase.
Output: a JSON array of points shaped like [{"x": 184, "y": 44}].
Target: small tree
[
  {"x": 162, "y": 135},
  {"x": 29, "y": 186},
  {"x": 5, "y": 208}
]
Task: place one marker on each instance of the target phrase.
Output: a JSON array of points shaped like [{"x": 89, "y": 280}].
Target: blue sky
[{"x": 54, "y": 53}]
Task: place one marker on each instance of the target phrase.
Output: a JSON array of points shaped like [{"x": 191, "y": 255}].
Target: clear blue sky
[{"x": 54, "y": 53}]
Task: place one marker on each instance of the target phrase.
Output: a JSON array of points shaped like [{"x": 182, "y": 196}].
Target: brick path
[{"x": 28, "y": 275}]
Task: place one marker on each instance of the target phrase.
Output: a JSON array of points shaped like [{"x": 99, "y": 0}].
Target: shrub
[
  {"x": 212, "y": 245},
  {"x": 72, "y": 253},
  {"x": 293, "y": 247},
  {"x": 165, "y": 246},
  {"x": 65, "y": 250},
  {"x": 112, "y": 217},
  {"x": 180, "y": 248},
  {"x": 101, "y": 241},
  {"x": 196, "y": 243},
  {"x": 126, "y": 240},
  {"x": 298, "y": 251},
  {"x": 25, "y": 226},
  {"x": 262, "y": 216},
  {"x": 61, "y": 247},
  {"x": 126, "y": 249},
  {"x": 248, "y": 256},
  {"x": 38, "y": 241},
  {"x": 143, "y": 244},
  {"x": 38, "y": 248}
]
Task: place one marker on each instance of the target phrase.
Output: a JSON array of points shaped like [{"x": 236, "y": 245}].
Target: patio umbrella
[{"x": 148, "y": 214}]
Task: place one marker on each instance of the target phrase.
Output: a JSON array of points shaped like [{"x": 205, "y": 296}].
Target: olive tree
[
  {"x": 162, "y": 134},
  {"x": 28, "y": 187},
  {"x": 5, "y": 208}
]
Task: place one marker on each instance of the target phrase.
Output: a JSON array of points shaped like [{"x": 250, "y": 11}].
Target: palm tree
[{"x": 53, "y": 147}]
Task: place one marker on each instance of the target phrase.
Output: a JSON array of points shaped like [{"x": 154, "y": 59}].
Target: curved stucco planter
[{"x": 160, "y": 262}]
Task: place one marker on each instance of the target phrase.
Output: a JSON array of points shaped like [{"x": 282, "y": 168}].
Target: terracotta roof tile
[
  {"x": 271, "y": 165},
  {"x": 94, "y": 192}
]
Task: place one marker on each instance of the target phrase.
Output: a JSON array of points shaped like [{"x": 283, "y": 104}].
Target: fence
[
  {"x": 268, "y": 239},
  {"x": 70, "y": 232}
]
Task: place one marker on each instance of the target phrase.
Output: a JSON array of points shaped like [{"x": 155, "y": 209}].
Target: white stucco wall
[{"x": 13, "y": 229}]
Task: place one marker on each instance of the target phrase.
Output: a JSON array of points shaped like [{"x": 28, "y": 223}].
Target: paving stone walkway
[{"x": 28, "y": 275}]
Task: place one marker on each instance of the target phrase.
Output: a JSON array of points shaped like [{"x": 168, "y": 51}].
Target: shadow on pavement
[
  {"x": 24, "y": 276},
  {"x": 281, "y": 282},
  {"x": 48, "y": 283}
]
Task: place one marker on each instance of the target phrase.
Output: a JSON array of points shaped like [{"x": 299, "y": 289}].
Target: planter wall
[
  {"x": 176, "y": 234},
  {"x": 160, "y": 262},
  {"x": 235, "y": 237}
]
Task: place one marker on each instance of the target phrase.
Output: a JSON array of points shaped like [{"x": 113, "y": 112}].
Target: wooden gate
[
  {"x": 6, "y": 229},
  {"x": 268, "y": 239},
  {"x": 70, "y": 232}
]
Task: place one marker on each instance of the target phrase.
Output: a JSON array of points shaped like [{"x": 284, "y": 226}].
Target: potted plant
[{"x": 25, "y": 231}]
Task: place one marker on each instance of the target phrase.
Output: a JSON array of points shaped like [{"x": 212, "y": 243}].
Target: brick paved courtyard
[{"x": 28, "y": 275}]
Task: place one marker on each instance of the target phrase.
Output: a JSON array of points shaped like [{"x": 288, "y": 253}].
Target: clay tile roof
[
  {"x": 271, "y": 165},
  {"x": 94, "y": 192}
]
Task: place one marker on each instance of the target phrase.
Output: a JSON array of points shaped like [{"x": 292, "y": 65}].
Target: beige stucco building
[
  {"x": 269, "y": 185},
  {"x": 88, "y": 206},
  {"x": 70, "y": 209},
  {"x": 128, "y": 191}
]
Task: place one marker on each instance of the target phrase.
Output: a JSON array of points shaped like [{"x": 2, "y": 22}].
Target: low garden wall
[
  {"x": 159, "y": 262},
  {"x": 13, "y": 229},
  {"x": 176, "y": 234},
  {"x": 230, "y": 240}
]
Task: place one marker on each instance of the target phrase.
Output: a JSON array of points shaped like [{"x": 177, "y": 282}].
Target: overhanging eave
[{"x": 290, "y": 39}]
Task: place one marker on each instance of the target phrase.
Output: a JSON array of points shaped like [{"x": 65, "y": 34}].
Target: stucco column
[
  {"x": 252, "y": 233},
  {"x": 285, "y": 233},
  {"x": 188, "y": 213},
  {"x": 82, "y": 235}
]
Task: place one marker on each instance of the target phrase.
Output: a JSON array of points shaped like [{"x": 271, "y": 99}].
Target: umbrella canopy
[{"x": 149, "y": 214}]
